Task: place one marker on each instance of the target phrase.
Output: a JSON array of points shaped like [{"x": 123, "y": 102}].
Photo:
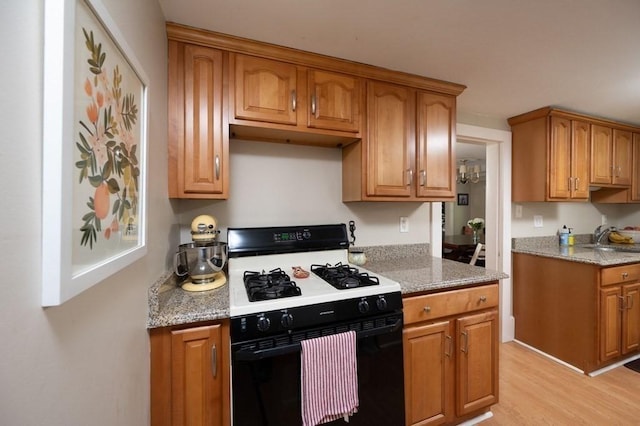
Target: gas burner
[
  {"x": 274, "y": 284},
  {"x": 343, "y": 276}
]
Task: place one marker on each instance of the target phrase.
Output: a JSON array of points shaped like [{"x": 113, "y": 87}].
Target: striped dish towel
[{"x": 329, "y": 378}]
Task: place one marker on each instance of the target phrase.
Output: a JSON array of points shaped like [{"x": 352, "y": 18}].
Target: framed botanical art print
[{"x": 94, "y": 150}]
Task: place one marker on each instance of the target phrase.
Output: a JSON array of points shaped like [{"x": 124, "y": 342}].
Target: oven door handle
[{"x": 255, "y": 355}]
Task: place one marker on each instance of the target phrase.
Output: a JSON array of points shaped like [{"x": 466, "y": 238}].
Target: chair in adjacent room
[{"x": 478, "y": 255}]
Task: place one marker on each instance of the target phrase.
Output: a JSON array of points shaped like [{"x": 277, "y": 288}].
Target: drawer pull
[
  {"x": 214, "y": 361},
  {"x": 483, "y": 298},
  {"x": 427, "y": 309},
  {"x": 625, "y": 275}
]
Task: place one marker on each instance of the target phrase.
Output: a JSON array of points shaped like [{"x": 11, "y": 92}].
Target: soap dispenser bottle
[{"x": 564, "y": 236}]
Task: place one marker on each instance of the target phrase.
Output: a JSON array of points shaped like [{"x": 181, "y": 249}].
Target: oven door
[{"x": 266, "y": 384}]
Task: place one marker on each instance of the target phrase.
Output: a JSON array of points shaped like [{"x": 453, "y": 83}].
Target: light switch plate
[
  {"x": 537, "y": 221},
  {"x": 518, "y": 211}
]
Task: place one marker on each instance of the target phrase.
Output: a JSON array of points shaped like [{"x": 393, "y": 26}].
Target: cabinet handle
[
  {"x": 483, "y": 298},
  {"x": 630, "y": 302},
  {"x": 622, "y": 304},
  {"x": 577, "y": 181},
  {"x": 571, "y": 183},
  {"x": 294, "y": 101},
  {"x": 217, "y": 167},
  {"x": 447, "y": 351},
  {"x": 214, "y": 360},
  {"x": 625, "y": 275},
  {"x": 313, "y": 105},
  {"x": 423, "y": 178},
  {"x": 427, "y": 309},
  {"x": 410, "y": 176},
  {"x": 464, "y": 347}
]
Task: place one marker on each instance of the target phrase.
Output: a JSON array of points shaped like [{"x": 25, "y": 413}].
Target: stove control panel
[{"x": 271, "y": 323}]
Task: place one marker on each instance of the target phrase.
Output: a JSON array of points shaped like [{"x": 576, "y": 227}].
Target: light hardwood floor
[{"x": 535, "y": 390}]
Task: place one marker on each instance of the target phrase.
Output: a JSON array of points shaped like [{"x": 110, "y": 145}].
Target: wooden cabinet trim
[
  {"x": 448, "y": 303},
  {"x": 299, "y": 57}
]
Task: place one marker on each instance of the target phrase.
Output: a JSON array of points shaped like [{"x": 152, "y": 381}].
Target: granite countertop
[
  {"x": 410, "y": 265},
  {"x": 581, "y": 252}
]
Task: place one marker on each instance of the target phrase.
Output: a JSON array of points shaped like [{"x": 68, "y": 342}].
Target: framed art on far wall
[
  {"x": 463, "y": 199},
  {"x": 94, "y": 150}
]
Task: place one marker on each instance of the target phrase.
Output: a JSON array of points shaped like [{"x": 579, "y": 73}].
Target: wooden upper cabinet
[
  {"x": 334, "y": 101},
  {"x": 611, "y": 156},
  {"x": 198, "y": 130},
  {"x": 265, "y": 90},
  {"x": 390, "y": 140},
  {"x": 622, "y": 157},
  {"x": 550, "y": 157},
  {"x": 435, "y": 137},
  {"x": 569, "y": 159},
  {"x": 635, "y": 179}
]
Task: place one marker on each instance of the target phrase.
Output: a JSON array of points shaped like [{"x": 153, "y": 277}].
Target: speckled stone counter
[
  {"x": 171, "y": 305},
  {"x": 581, "y": 252},
  {"x": 410, "y": 265}
]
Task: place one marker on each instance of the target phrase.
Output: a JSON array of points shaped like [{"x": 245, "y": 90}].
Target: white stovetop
[{"x": 314, "y": 289}]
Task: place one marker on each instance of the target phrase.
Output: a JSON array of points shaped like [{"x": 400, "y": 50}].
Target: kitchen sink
[{"x": 612, "y": 248}]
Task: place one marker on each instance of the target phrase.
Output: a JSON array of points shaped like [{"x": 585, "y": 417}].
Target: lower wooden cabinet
[
  {"x": 619, "y": 311},
  {"x": 450, "y": 355},
  {"x": 190, "y": 375}
]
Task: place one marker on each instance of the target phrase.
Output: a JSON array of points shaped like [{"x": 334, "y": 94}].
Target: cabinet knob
[
  {"x": 483, "y": 298},
  {"x": 625, "y": 275},
  {"x": 427, "y": 309}
]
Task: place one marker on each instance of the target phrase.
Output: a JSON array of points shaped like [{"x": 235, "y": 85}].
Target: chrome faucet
[{"x": 600, "y": 232}]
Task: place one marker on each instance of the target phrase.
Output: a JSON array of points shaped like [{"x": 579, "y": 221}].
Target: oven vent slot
[
  {"x": 342, "y": 329},
  {"x": 368, "y": 325},
  {"x": 265, "y": 344},
  {"x": 328, "y": 331},
  {"x": 282, "y": 341},
  {"x": 356, "y": 326}
]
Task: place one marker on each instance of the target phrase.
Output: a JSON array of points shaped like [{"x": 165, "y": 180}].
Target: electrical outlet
[
  {"x": 518, "y": 211},
  {"x": 537, "y": 221},
  {"x": 604, "y": 219},
  {"x": 404, "y": 224}
]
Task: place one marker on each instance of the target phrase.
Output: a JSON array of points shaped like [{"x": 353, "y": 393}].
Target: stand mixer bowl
[{"x": 200, "y": 262}]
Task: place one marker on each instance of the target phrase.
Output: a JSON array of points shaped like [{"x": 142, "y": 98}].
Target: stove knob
[
  {"x": 286, "y": 320},
  {"x": 381, "y": 303},
  {"x": 363, "y": 306},
  {"x": 263, "y": 323}
]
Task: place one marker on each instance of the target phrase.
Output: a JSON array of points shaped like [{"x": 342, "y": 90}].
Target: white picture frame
[{"x": 94, "y": 150}]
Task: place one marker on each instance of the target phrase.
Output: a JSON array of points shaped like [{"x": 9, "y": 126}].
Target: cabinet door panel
[
  {"x": 635, "y": 179},
  {"x": 265, "y": 90},
  {"x": 335, "y": 101},
  {"x": 435, "y": 133},
  {"x": 622, "y": 157},
  {"x": 197, "y": 376},
  {"x": 580, "y": 132},
  {"x": 477, "y": 363},
  {"x": 631, "y": 318},
  {"x": 601, "y": 160},
  {"x": 390, "y": 139},
  {"x": 203, "y": 138},
  {"x": 610, "y": 322},
  {"x": 428, "y": 379},
  {"x": 560, "y": 182}
]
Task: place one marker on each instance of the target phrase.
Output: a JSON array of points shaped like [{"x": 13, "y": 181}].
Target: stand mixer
[{"x": 202, "y": 260}]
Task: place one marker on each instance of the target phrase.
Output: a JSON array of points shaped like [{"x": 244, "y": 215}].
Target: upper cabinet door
[
  {"x": 265, "y": 90},
  {"x": 601, "y": 161},
  {"x": 635, "y": 181},
  {"x": 622, "y": 157},
  {"x": 560, "y": 182},
  {"x": 390, "y": 139},
  {"x": 580, "y": 131},
  {"x": 435, "y": 133},
  {"x": 334, "y": 101}
]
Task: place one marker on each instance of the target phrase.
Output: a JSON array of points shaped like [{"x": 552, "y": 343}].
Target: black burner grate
[
  {"x": 343, "y": 276},
  {"x": 274, "y": 284}
]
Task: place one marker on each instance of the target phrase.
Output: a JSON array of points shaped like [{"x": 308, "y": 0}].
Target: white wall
[
  {"x": 582, "y": 217},
  {"x": 278, "y": 184},
  {"x": 85, "y": 362}
]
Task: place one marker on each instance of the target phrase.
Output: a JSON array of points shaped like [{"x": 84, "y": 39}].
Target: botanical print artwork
[{"x": 107, "y": 145}]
